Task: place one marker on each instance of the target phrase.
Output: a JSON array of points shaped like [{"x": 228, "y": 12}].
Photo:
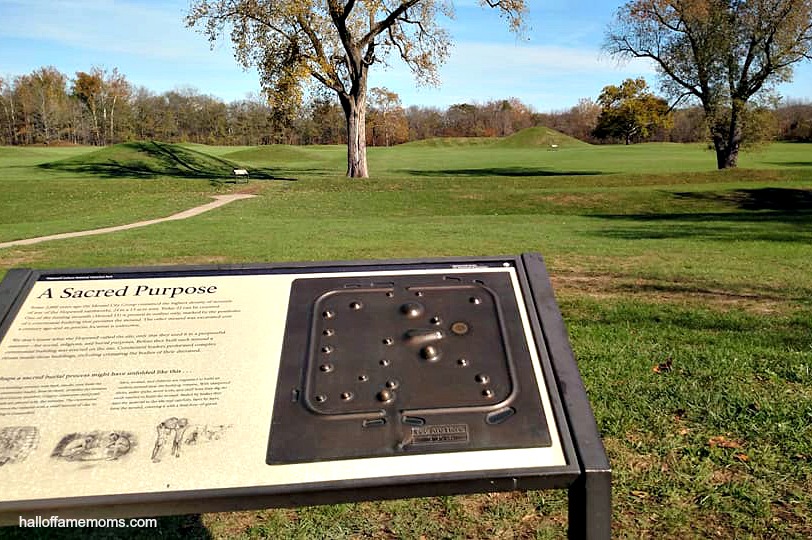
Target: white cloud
[
  {"x": 548, "y": 77},
  {"x": 155, "y": 32},
  {"x": 522, "y": 61}
]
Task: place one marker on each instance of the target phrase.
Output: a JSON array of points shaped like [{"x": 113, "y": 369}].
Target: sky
[{"x": 556, "y": 62}]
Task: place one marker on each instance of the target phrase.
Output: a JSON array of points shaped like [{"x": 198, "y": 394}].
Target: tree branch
[
  {"x": 680, "y": 98},
  {"x": 386, "y": 22},
  {"x": 626, "y": 47},
  {"x": 339, "y": 18}
]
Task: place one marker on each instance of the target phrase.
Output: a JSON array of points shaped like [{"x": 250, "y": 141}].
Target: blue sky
[{"x": 557, "y": 62}]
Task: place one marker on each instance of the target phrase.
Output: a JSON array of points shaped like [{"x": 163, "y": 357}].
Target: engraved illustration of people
[
  {"x": 94, "y": 446},
  {"x": 181, "y": 432},
  {"x": 204, "y": 433},
  {"x": 16, "y": 443},
  {"x": 174, "y": 427}
]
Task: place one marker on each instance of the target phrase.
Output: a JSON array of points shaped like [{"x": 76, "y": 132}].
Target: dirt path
[{"x": 219, "y": 200}]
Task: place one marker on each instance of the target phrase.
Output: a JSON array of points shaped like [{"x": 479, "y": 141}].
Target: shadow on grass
[
  {"x": 693, "y": 289},
  {"x": 768, "y": 214},
  {"x": 153, "y": 159},
  {"x": 502, "y": 171},
  {"x": 778, "y": 199},
  {"x": 170, "y": 527},
  {"x": 791, "y": 163}
]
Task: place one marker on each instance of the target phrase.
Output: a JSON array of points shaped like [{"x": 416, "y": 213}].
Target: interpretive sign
[{"x": 146, "y": 391}]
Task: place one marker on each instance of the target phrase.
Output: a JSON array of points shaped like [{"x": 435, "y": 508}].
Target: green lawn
[{"x": 656, "y": 258}]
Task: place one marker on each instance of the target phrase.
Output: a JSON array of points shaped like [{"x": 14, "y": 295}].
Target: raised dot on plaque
[
  {"x": 390, "y": 294},
  {"x": 363, "y": 378},
  {"x": 385, "y": 362},
  {"x": 391, "y": 384},
  {"x": 488, "y": 393},
  {"x": 385, "y": 395},
  {"x": 327, "y": 349},
  {"x": 328, "y": 314},
  {"x": 412, "y": 310},
  {"x": 435, "y": 320},
  {"x": 475, "y": 300},
  {"x": 481, "y": 378},
  {"x": 326, "y": 368},
  {"x": 321, "y": 398},
  {"x": 356, "y": 305},
  {"x": 329, "y": 332},
  {"x": 388, "y": 341},
  {"x": 463, "y": 362},
  {"x": 346, "y": 396},
  {"x": 430, "y": 353}
]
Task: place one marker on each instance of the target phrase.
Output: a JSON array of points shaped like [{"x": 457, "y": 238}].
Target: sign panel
[{"x": 136, "y": 383}]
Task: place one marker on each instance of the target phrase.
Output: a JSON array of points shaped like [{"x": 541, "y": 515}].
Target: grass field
[{"x": 658, "y": 261}]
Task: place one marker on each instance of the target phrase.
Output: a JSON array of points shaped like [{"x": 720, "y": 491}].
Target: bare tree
[
  {"x": 7, "y": 101},
  {"x": 47, "y": 87},
  {"x": 335, "y": 42},
  {"x": 101, "y": 93},
  {"x": 388, "y": 120},
  {"x": 720, "y": 52},
  {"x": 795, "y": 120}
]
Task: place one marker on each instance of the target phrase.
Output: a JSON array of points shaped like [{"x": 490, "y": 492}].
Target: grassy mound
[
  {"x": 534, "y": 137},
  {"x": 147, "y": 159},
  {"x": 271, "y": 154},
  {"x": 539, "y": 137},
  {"x": 455, "y": 142}
]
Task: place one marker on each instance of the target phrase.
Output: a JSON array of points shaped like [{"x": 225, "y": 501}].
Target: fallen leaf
[
  {"x": 639, "y": 494},
  {"x": 723, "y": 442},
  {"x": 741, "y": 457},
  {"x": 684, "y": 431},
  {"x": 663, "y": 367}
]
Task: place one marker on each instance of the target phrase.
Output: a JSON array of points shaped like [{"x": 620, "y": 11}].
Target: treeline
[
  {"x": 101, "y": 107},
  {"x": 789, "y": 121}
]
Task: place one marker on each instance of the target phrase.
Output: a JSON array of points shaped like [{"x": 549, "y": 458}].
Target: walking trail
[{"x": 219, "y": 200}]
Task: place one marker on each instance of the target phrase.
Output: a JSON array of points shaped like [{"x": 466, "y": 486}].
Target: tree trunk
[
  {"x": 9, "y": 124},
  {"x": 727, "y": 156},
  {"x": 112, "y": 109},
  {"x": 355, "y": 112},
  {"x": 103, "y": 127},
  {"x": 727, "y": 140},
  {"x": 96, "y": 136},
  {"x": 44, "y": 117},
  {"x": 28, "y": 125},
  {"x": 13, "y": 125}
]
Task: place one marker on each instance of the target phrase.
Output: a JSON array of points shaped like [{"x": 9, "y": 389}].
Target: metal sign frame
[{"x": 586, "y": 475}]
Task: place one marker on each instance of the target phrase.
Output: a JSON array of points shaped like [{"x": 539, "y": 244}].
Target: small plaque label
[{"x": 440, "y": 434}]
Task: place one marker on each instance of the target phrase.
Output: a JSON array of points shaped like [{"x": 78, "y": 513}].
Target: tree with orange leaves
[{"x": 334, "y": 43}]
